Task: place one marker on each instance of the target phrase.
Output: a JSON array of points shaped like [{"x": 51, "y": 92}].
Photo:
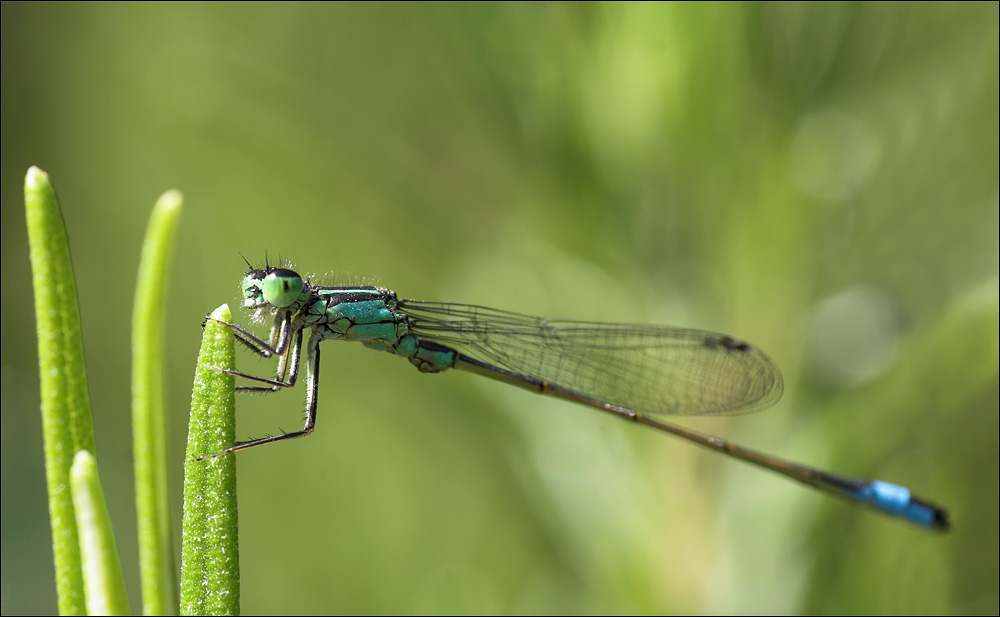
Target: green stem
[
  {"x": 149, "y": 424},
  {"x": 102, "y": 572},
  {"x": 67, "y": 424},
  {"x": 210, "y": 566}
]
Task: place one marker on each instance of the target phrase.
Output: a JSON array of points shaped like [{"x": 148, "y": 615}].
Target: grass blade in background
[
  {"x": 102, "y": 571},
  {"x": 67, "y": 424},
  {"x": 149, "y": 424},
  {"x": 210, "y": 568}
]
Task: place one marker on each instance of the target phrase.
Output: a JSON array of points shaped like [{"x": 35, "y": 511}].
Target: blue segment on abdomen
[
  {"x": 407, "y": 345},
  {"x": 430, "y": 357},
  {"x": 896, "y": 500}
]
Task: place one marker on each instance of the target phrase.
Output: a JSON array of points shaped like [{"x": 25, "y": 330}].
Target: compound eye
[{"x": 281, "y": 287}]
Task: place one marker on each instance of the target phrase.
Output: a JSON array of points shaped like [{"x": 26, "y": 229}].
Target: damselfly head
[{"x": 272, "y": 287}]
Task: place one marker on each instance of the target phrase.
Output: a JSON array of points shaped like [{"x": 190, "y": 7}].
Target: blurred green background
[{"x": 820, "y": 179}]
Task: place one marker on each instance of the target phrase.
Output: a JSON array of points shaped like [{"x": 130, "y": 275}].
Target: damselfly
[{"x": 636, "y": 372}]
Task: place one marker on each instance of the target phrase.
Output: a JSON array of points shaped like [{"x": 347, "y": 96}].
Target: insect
[{"x": 639, "y": 373}]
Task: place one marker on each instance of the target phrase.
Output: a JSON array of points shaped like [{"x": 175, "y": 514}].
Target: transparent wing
[{"x": 653, "y": 369}]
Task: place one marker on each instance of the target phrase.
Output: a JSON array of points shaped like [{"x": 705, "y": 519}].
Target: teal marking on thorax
[
  {"x": 380, "y": 331},
  {"x": 363, "y": 312},
  {"x": 372, "y": 322}
]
